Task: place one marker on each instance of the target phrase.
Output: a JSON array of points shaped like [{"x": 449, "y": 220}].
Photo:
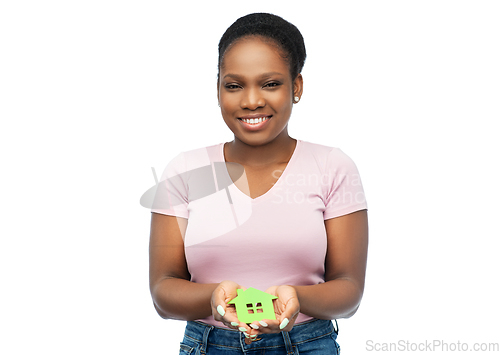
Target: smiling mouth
[{"x": 256, "y": 120}]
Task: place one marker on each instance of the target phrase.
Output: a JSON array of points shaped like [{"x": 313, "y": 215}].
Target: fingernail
[
  {"x": 284, "y": 323},
  {"x": 253, "y": 335},
  {"x": 254, "y": 326},
  {"x": 246, "y": 335},
  {"x": 234, "y": 324},
  {"x": 242, "y": 329},
  {"x": 221, "y": 310},
  {"x": 262, "y": 323}
]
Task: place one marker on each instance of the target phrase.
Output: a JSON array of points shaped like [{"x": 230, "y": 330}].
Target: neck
[{"x": 277, "y": 151}]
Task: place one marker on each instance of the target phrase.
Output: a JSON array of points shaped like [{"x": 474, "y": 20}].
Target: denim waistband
[{"x": 223, "y": 337}]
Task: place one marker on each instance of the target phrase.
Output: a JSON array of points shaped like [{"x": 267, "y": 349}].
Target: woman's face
[{"x": 256, "y": 91}]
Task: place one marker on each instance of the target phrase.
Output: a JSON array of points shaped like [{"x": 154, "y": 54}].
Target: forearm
[
  {"x": 182, "y": 299},
  {"x": 333, "y": 299}
]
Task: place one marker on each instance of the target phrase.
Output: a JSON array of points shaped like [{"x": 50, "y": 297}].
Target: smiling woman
[
  {"x": 308, "y": 253},
  {"x": 256, "y": 92}
]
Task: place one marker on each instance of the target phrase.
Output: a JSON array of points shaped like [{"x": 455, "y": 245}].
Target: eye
[
  {"x": 272, "y": 84},
  {"x": 232, "y": 86}
]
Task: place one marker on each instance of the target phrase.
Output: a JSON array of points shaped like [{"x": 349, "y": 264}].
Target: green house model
[{"x": 253, "y": 305}]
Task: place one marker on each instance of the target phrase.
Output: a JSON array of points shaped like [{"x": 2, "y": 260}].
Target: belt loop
[
  {"x": 288, "y": 343},
  {"x": 204, "y": 343},
  {"x": 336, "y": 328}
]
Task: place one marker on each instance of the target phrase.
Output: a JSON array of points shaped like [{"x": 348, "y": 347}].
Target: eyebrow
[{"x": 236, "y": 76}]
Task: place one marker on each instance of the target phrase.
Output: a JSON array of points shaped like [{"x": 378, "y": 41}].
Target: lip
[
  {"x": 255, "y": 126},
  {"x": 254, "y": 115}
]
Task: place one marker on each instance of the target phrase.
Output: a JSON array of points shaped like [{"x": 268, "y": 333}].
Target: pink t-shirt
[{"x": 278, "y": 238}]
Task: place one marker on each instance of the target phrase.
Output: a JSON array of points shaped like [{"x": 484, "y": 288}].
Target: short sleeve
[
  {"x": 171, "y": 197},
  {"x": 344, "y": 191}
]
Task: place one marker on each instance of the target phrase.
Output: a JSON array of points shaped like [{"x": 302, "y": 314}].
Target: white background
[{"x": 95, "y": 93}]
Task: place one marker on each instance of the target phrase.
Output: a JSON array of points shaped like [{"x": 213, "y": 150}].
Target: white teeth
[{"x": 255, "y": 120}]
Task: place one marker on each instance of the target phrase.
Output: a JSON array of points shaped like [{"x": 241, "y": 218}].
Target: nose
[{"x": 253, "y": 99}]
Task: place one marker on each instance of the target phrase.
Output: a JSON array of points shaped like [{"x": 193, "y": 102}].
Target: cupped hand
[
  {"x": 286, "y": 308},
  {"x": 225, "y": 313}
]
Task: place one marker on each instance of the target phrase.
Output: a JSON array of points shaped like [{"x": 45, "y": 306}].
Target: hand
[
  {"x": 225, "y": 313},
  {"x": 286, "y": 308}
]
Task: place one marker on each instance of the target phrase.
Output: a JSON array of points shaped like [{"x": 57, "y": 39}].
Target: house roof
[{"x": 251, "y": 295}]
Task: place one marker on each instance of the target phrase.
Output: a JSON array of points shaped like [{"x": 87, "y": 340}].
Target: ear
[
  {"x": 298, "y": 85},
  {"x": 218, "y": 89}
]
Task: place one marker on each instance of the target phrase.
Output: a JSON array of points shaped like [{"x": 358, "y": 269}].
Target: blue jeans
[{"x": 316, "y": 337}]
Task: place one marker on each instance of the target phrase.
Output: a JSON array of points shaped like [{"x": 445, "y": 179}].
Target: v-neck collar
[{"x": 278, "y": 182}]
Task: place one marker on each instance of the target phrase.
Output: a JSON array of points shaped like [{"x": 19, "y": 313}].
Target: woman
[{"x": 292, "y": 222}]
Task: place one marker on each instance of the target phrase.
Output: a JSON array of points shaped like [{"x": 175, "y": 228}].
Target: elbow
[
  {"x": 352, "y": 312},
  {"x": 344, "y": 314},
  {"x": 166, "y": 315},
  {"x": 160, "y": 312},
  {"x": 159, "y": 304},
  {"x": 352, "y": 300},
  {"x": 168, "y": 308},
  {"x": 354, "y": 307}
]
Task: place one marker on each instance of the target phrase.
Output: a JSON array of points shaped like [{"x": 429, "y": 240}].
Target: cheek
[
  {"x": 282, "y": 102},
  {"x": 228, "y": 108},
  {"x": 228, "y": 103}
]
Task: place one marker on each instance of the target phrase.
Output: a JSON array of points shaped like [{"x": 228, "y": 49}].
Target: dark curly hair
[{"x": 281, "y": 32}]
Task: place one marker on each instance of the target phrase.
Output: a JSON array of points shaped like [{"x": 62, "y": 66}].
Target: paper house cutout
[{"x": 253, "y": 305}]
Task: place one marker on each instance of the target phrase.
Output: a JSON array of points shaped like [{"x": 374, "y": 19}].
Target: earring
[{"x": 296, "y": 99}]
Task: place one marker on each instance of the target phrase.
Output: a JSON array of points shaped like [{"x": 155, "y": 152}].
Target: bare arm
[
  {"x": 345, "y": 267},
  {"x": 174, "y": 295}
]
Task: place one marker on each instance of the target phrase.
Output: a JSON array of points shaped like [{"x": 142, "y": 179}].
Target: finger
[
  {"x": 290, "y": 311},
  {"x": 233, "y": 322},
  {"x": 227, "y": 316},
  {"x": 243, "y": 327},
  {"x": 232, "y": 325},
  {"x": 218, "y": 312},
  {"x": 218, "y": 302},
  {"x": 231, "y": 292},
  {"x": 235, "y": 325},
  {"x": 263, "y": 323},
  {"x": 284, "y": 323},
  {"x": 221, "y": 310},
  {"x": 250, "y": 338},
  {"x": 255, "y": 325},
  {"x": 287, "y": 320},
  {"x": 268, "y": 326}
]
